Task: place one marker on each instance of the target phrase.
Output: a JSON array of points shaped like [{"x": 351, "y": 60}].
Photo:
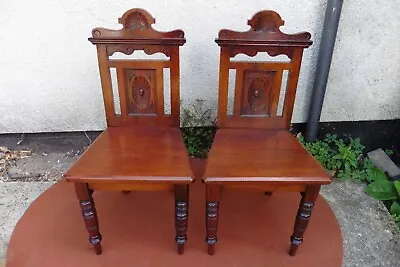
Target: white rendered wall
[{"x": 49, "y": 77}]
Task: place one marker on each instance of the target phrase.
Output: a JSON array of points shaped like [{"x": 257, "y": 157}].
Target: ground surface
[{"x": 370, "y": 236}]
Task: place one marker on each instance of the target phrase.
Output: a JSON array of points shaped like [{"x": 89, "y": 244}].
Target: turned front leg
[
  {"x": 303, "y": 217},
  {"x": 213, "y": 193},
  {"x": 89, "y": 214},
  {"x": 181, "y": 215}
]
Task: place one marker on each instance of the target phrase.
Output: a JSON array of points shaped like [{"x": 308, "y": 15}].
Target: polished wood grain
[
  {"x": 134, "y": 154},
  {"x": 267, "y": 188},
  {"x": 131, "y": 186},
  {"x": 255, "y": 156},
  {"x": 253, "y": 149},
  {"x": 142, "y": 149}
]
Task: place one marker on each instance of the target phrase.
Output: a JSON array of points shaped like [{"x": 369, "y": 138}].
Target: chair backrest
[
  {"x": 258, "y": 84},
  {"x": 140, "y": 82}
]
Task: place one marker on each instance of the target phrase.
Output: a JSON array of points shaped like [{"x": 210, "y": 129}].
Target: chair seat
[
  {"x": 127, "y": 154},
  {"x": 275, "y": 156}
]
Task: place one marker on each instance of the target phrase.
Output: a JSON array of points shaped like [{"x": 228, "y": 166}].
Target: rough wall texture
[{"x": 48, "y": 70}]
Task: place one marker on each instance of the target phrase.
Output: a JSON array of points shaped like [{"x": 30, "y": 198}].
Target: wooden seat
[
  {"x": 253, "y": 156},
  {"x": 142, "y": 147},
  {"x": 253, "y": 148},
  {"x": 134, "y": 154}
]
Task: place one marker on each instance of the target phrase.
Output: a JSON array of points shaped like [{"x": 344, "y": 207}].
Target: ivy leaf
[
  {"x": 395, "y": 208},
  {"x": 397, "y": 186},
  {"x": 381, "y": 190}
]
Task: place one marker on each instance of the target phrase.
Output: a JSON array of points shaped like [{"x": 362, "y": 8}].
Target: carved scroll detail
[
  {"x": 129, "y": 49},
  {"x": 253, "y": 51},
  {"x": 263, "y": 36},
  {"x": 125, "y": 49},
  {"x": 137, "y": 33},
  {"x": 136, "y": 19},
  {"x": 266, "y": 21}
]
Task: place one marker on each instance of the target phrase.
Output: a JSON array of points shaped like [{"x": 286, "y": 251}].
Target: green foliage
[
  {"x": 397, "y": 186},
  {"x": 197, "y": 132},
  {"x": 344, "y": 159},
  {"x": 382, "y": 190},
  {"x": 395, "y": 208},
  {"x": 395, "y": 211},
  {"x": 389, "y": 151},
  {"x": 389, "y": 191},
  {"x": 397, "y": 219},
  {"x": 373, "y": 173}
]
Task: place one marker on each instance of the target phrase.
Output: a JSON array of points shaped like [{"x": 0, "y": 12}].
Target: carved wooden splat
[
  {"x": 141, "y": 91},
  {"x": 257, "y": 93}
]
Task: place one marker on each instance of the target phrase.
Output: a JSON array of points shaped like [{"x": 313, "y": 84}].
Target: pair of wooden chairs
[{"x": 142, "y": 147}]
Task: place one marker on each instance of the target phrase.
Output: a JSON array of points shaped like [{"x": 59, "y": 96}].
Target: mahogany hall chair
[
  {"x": 142, "y": 147},
  {"x": 253, "y": 148}
]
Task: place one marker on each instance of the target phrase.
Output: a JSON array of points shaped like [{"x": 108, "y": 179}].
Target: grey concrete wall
[{"x": 48, "y": 70}]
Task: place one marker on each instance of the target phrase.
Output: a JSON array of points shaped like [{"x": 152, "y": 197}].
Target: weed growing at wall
[{"x": 197, "y": 135}]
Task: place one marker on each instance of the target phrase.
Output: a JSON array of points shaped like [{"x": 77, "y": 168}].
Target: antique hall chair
[
  {"x": 142, "y": 147},
  {"x": 253, "y": 148}
]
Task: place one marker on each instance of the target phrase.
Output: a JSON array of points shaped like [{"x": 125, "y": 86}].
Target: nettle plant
[
  {"x": 198, "y": 129},
  {"x": 344, "y": 159}
]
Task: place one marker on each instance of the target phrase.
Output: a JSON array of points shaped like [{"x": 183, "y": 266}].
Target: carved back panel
[
  {"x": 258, "y": 84},
  {"x": 140, "y": 82}
]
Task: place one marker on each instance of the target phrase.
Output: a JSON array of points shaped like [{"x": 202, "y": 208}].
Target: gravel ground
[{"x": 371, "y": 237}]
